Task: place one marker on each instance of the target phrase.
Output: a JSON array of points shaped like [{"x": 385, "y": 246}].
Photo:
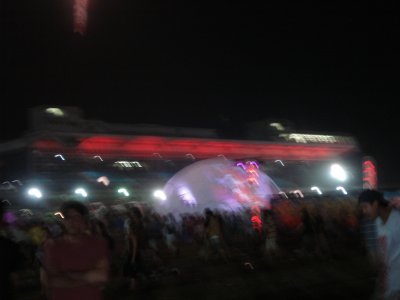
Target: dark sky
[{"x": 325, "y": 66}]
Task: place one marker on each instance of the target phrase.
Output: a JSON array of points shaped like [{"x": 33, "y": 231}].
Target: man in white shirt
[{"x": 387, "y": 221}]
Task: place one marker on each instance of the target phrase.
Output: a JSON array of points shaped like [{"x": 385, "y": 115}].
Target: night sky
[{"x": 324, "y": 66}]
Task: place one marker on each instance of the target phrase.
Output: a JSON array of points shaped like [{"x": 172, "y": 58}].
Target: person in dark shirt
[{"x": 10, "y": 259}]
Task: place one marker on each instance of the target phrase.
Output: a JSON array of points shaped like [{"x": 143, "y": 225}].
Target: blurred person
[
  {"x": 321, "y": 241},
  {"x": 387, "y": 221},
  {"x": 134, "y": 260},
  {"x": 270, "y": 247},
  {"x": 170, "y": 232},
  {"x": 39, "y": 237},
  {"x": 370, "y": 236},
  {"x": 76, "y": 264},
  {"x": 10, "y": 259},
  {"x": 308, "y": 234},
  {"x": 37, "y": 233},
  {"x": 153, "y": 226},
  {"x": 395, "y": 202},
  {"x": 213, "y": 234},
  {"x": 99, "y": 228}
]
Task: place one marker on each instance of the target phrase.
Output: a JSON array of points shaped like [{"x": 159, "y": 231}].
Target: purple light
[
  {"x": 9, "y": 217},
  {"x": 254, "y": 163},
  {"x": 240, "y": 164}
]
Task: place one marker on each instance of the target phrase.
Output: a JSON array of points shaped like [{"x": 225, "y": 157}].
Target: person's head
[
  {"x": 137, "y": 213},
  {"x": 75, "y": 217},
  {"x": 370, "y": 202},
  {"x": 208, "y": 212}
]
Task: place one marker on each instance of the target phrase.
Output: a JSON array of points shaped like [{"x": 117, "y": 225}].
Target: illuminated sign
[
  {"x": 317, "y": 138},
  {"x": 127, "y": 164}
]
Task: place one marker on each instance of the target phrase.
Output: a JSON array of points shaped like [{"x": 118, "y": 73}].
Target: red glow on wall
[
  {"x": 47, "y": 145},
  {"x": 146, "y": 146},
  {"x": 80, "y": 16}
]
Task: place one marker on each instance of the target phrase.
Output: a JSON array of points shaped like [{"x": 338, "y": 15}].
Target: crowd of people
[{"x": 76, "y": 251}]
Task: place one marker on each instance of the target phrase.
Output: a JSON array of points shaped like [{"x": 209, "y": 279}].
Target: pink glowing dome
[{"x": 217, "y": 183}]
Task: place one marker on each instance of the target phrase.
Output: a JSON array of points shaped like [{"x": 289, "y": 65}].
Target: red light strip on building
[{"x": 146, "y": 146}]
